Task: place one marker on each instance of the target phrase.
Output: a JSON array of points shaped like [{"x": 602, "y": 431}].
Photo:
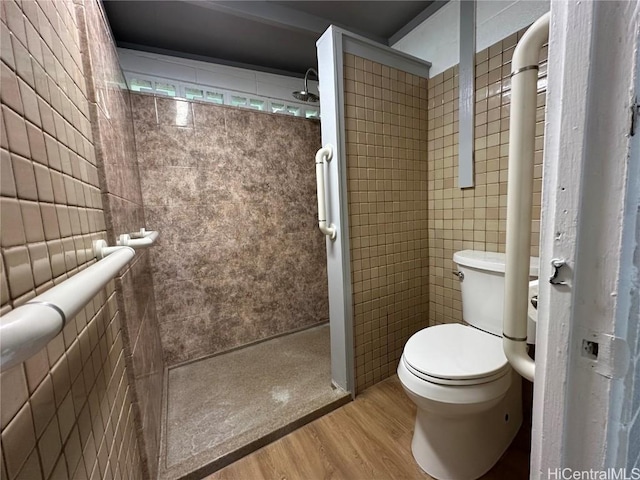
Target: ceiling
[{"x": 273, "y": 36}]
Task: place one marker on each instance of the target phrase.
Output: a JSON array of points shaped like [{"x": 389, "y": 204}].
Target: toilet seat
[
  {"x": 453, "y": 396},
  {"x": 455, "y": 354},
  {"x": 448, "y": 381}
]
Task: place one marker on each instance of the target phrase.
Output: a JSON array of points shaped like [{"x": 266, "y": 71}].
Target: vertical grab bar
[
  {"x": 524, "y": 81},
  {"x": 325, "y": 154}
]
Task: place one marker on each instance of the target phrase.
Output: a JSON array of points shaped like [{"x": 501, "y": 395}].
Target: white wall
[
  {"x": 437, "y": 39},
  {"x": 211, "y": 74},
  {"x": 498, "y": 19}
]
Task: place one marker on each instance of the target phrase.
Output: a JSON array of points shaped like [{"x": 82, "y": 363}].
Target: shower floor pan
[{"x": 221, "y": 408}]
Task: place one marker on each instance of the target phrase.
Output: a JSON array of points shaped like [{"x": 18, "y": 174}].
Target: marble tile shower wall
[
  {"x": 386, "y": 118},
  {"x": 233, "y": 192},
  {"x": 473, "y": 218},
  {"x": 67, "y": 411},
  {"x": 112, "y": 125}
]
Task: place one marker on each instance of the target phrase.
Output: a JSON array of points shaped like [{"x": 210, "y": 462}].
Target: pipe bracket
[
  {"x": 524, "y": 69},
  {"x": 514, "y": 339},
  {"x": 52, "y": 306}
]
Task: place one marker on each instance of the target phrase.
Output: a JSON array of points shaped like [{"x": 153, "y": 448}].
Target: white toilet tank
[{"x": 482, "y": 287}]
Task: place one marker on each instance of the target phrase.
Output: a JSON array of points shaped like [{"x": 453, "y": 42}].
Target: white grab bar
[
  {"x": 325, "y": 154},
  {"x": 140, "y": 239},
  {"x": 524, "y": 82},
  {"x": 28, "y": 328}
]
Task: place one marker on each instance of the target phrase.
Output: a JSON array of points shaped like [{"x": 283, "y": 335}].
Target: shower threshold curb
[
  {"x": 177, "y": 472},
  {"x": 206, "y": 462}
]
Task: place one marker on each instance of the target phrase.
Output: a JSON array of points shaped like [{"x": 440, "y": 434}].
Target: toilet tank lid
[{"x": 491, "y": 261}]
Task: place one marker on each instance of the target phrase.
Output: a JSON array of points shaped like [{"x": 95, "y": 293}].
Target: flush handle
[{"x": 460, "y": 275}]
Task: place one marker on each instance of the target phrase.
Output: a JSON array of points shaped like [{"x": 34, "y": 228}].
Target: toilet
[{"x": 468, "y": 398}]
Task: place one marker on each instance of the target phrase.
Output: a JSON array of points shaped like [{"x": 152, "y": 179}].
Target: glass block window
[
  {"x": 138, "y": 85},
  {"x": 311, "y": 113},
  {"x": 215, "y": 97},
  {"x": 257, "y": 104},
  {"x": 166, "y": 89},
  {"x": 193, "y": 93},
  {"x": 278, "y": 107},
  {"x": 291, "y": 110},
  {"x": 212, "y": 94},
  {"x": 238, "y": 101}
]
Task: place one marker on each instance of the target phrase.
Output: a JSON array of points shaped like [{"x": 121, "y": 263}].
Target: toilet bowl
[
  {"x": 467, "y": 415},
  {"x": 468, "y": 397}
]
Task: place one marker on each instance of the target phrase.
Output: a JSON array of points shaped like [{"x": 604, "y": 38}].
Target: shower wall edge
[
  {"x": 331, "y": 87},
  {"x": 331, "y": 47},
  {"x": 376, "y": 52}
]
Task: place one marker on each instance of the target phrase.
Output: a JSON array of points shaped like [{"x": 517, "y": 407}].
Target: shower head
[{"x": 305, "y": 95}]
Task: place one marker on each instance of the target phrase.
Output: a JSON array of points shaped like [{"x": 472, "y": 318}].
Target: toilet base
[{"x": 466, "y": 447}]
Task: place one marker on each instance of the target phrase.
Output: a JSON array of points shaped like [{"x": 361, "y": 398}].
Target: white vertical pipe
[
  {"x": 27, "y": 329},
  {"x": 524, "y": 81},
  {"x": 324, "y": 154}
]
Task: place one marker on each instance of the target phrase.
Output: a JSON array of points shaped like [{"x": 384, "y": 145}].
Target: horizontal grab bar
[
  {"x": 138, "y": 240},
  {"x": 27, "y": 329},
  {"x": 141, "y": 233}
]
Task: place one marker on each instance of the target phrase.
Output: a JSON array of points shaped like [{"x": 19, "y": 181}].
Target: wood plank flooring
[{"x": 369, "y": 438}]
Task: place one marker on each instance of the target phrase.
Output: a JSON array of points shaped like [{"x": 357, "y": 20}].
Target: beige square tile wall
[
  {"x": 473, "y": 218},
  {"x": 386, "y": 120},
  {"x": 110, "y": 114},
  {"x": 66, "y": 412}
]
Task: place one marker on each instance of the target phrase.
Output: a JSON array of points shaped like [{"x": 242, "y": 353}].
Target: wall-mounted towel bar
[{"x": 28, "y": 328}]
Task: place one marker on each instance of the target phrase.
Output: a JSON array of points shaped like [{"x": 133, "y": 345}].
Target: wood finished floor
[{"x": 368, "y": 439}]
